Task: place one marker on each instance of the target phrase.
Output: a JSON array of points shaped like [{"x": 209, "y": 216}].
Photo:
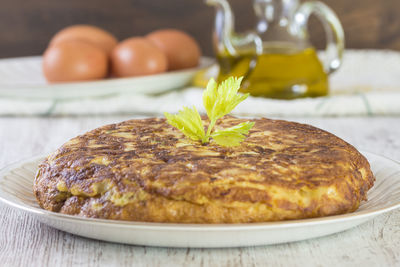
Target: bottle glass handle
[
  {"x": 333, "y": 29},
  {"x": 253, "y": 39}
]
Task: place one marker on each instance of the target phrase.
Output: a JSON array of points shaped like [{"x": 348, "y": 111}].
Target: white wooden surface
[{"x": 26, "y": 242}]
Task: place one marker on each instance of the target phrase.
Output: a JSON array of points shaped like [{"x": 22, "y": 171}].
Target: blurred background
[{"x": 27, "y": 26}]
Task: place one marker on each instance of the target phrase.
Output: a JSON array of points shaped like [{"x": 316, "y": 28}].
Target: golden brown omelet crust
[{"x": 146, "y": 170}]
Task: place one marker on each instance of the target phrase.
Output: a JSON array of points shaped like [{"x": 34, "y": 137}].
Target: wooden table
[{"x": 26, "y": 242}]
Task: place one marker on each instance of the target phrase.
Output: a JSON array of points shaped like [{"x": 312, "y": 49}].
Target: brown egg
[
  {"x": 87, "y": 33},
  {"x": 181, "y": 49},
  {"x": 74, "y": 61},
  {"x": 137, "y": 56}
]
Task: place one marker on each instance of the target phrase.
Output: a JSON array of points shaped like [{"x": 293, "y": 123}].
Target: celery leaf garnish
[{"x": 218, "y": 100}]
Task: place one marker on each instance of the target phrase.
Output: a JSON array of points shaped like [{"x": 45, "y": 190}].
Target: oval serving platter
[
  {"x": 23, "y": 78},
  {"x": 16, "y": 183}
]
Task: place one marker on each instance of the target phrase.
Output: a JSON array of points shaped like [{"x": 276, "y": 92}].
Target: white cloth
[{"x": 368, "y": 83}]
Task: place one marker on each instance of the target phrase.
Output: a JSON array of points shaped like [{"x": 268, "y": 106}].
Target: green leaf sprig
[{"x": 218, "y": 100}]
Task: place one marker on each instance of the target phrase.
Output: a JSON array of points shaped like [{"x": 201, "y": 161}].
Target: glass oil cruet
[{"x": 277, "y": 59}]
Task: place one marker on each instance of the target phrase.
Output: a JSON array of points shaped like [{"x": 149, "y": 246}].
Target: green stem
[{"x": 206, "y": 139}]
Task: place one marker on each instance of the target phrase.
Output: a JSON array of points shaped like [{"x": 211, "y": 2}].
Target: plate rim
[
  {"x": 205, "y": 62},
  {"x": 193, "y": 227}
]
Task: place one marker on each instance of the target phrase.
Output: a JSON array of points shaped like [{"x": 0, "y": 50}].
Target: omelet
[{"x": 146, "y": 170}]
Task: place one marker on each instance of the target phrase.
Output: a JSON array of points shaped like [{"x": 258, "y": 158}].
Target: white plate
[
  {"x": 16, "y": 190},
  {"x": 23, "y": 78}
]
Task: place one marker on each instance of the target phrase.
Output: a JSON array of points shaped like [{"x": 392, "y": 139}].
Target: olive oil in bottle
[{"x": 279, "y": 72}]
